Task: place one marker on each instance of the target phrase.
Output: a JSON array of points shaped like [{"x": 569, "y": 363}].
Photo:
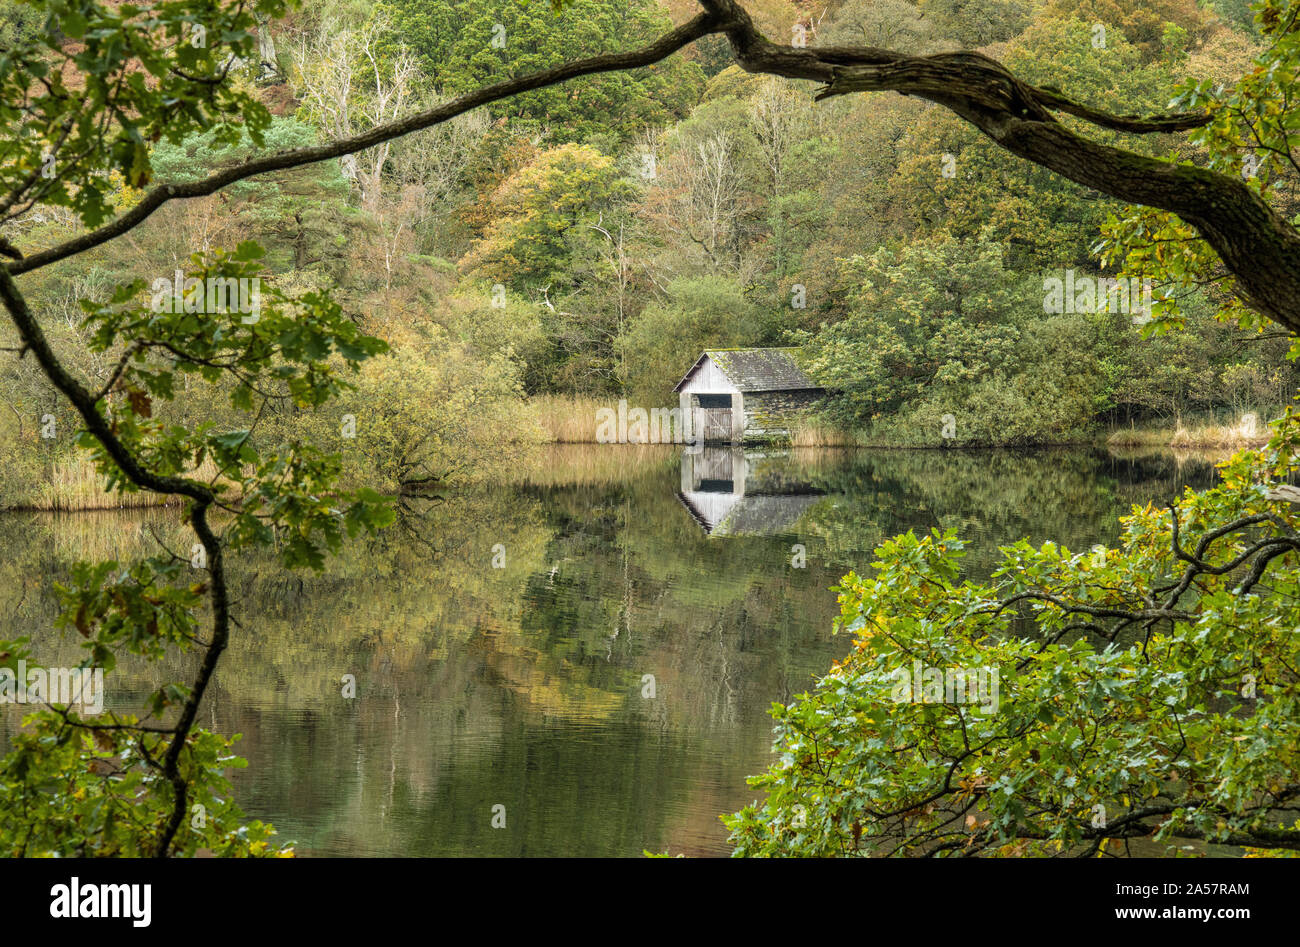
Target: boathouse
[{"x": 736, "y": 395}]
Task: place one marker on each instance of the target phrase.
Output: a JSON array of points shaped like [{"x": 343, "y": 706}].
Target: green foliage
[
  {"x": 667, "y": 337},
  {"x": 1240, "y": 13},
  {"x": 69, "y": 792},
  {"x": 286, "y": 344},
  {"x": 135, "y": 75},
  {"x": 616, "y": 279},
  {"x": 1145, "y": 24},
  {"x": 931, "y": 315},
  {"x": 941, "y": 344},
  {"x": 85, "y": 99},
  {"x": 978, "y": 23},
  {"x": 19, "y": 22},
  {"x": 1132, "y": 702},
  {"x": 427, "y": 415},
  {"x": 1042, "y": 219},
  {"x": 1254, "y": 132},
  {"x": 563, "y": 189},
  {"x": 454, "y": 41},
  {"x": 1146, "y": 695},
  {"x": 297, "y": 215},
  {"x": 282, "y": 496}
]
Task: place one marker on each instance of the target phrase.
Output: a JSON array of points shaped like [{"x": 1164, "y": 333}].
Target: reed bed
[
  {"x": 569, "y": 419},
  {"x": 810, "y": 433},
  {"x": 74, "y": 486},
  {"x": 559, "y": 465},
  {"x": 1218, "y": 436},
  {"x": 1196, "y": 436}
]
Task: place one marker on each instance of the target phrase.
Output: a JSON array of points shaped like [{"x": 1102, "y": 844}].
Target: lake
[{"x": 591, "y": 643}]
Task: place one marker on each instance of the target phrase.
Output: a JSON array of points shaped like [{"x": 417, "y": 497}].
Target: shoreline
[{"x": 58, "y": 503}]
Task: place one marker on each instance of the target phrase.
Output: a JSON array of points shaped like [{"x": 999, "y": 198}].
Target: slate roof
[{"x": 757, "y": 369}]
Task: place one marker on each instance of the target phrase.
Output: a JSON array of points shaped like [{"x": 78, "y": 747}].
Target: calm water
[{"x": 526, "y": 685}]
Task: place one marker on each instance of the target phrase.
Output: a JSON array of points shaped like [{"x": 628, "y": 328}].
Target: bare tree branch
[
  {"x": 1256, "y": 243},
  {"x": 665, "y": 46}
]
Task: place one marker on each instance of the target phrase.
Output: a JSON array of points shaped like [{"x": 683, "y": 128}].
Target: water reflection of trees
[
  {"x": 463, "y": 670},
  {"x": 522, "y": 685},
  {"x": 1074, "y": 497}
]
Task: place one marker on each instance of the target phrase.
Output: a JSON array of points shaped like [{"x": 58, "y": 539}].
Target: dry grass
[
  {"x": 1244, "y": 433},
  {"x": 1139, "y": 437},
  {"x": 556, "y": 465},
  {"x": 808, "y": 433},
  {"x": 568, "y": 419},
  {"x": 75, "y": 486},
  {"x": 1218, "y": 436}
]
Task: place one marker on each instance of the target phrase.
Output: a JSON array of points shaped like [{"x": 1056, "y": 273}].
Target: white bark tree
[{"x": 350, "y": 83}]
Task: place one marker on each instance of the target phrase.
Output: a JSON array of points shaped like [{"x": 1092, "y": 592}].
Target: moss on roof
[{"x": 775, "y": 369}]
